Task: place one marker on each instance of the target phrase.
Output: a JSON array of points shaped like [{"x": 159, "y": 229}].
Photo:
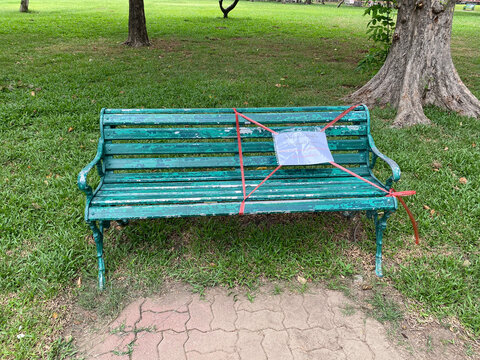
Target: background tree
[
  {"x": 24, "y": 5},
  {"x": 137, "y": 27},
  {"x": 419, "y": 69},
  {"x": 228, "y": 9}
]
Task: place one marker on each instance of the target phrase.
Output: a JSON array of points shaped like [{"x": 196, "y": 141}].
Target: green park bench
[
  {"x": 469, "y": 7},
  {"x": 163, "y": 163}
]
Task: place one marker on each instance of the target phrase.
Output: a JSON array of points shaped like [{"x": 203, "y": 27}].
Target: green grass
[
  {"x": 385, "y": 309},
  {"x": 69, "y": 56}
]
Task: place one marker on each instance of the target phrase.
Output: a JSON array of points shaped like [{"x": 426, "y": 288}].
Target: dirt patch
[{"x": 416, "y": 334}]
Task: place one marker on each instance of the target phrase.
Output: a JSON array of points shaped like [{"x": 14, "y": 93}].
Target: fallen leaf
[
  {"x": 79, "y": 281},
  {"x": 436, "y": 165},
  {"x": 446, "y": 148},
  {"x": 432, "y": 212},
  {"x": 278, "y": 85},
  {"x": 32, "y": 93},
  {"x": 245, "y": 103},
  {"x": 54, "y": 315},
  {"x": 426, "y": 207},
  {"x": 70, "y": 129},
  {"x": 121, "y": 91},
  {"x": 301, "y": 280},
  {"x": 463, "y": 180},
  {"x": 474, "y": 145}
]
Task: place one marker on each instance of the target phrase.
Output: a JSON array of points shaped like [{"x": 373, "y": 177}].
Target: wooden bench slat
[
  {"x": 235, "y": 188},
  {"x": 218, "y": 133},
  {"x": 230, "y": 175},
  {"x": 216, "y": 148},
  {"x": 229, "y": 119},
  {"x": 225, "y": 196},
  {"x": 229, "y": 110},
  {"x": 213, "y": 162},
  {"x": 233, "y": 183},
  {"x": 252, "y": 207}
]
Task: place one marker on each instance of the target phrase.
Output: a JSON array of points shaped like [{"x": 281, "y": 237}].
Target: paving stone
[
  {"x": 224, "y": 314},
  {"x": 275, "y": 344},
  {"x": 319, "y": 313},
  {"x": 172, "y": 346},
  {"x": 216, "y": 355},
  {"x": 216, "y": 340},
  {"x": 320, "y": 354},
  {"x": 356, "y": 350},
  {"x": 355, "y": 321},
  {"x": 259, "y": 320},
  {"x": 129, "y": 316},
  {"x": 314, "y": 326},
  {"x": 146, "y": 346},
  {"x": 295, "y": 314},
  {"x": 312, "y": 339},
  {"x": 249, "y": 345},
  {"x": 261, "y": 302},
  {"x": 376, "y": 339},
  {"x": 170, "y": 302},
  {"x": 113, "y": 342},
  {"x": 111, "y": 356},
  {"x": 200, "y": 315},
  {"x": 335, "y": 298},
  {"x": 169, "y": 320}
]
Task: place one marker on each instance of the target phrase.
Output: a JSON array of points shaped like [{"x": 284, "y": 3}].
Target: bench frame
[{"x": 98, "y": 226}]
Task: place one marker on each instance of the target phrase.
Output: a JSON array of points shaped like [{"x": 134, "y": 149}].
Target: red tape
[{"x": 397, "y": 194}]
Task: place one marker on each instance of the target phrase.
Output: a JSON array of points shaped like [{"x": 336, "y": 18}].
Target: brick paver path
[{"x": 320, "y": 324}]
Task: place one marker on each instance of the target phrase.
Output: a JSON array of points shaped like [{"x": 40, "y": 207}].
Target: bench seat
[
  {"x": 177, "y": 199},
  {"x": 162, "y": 163}
]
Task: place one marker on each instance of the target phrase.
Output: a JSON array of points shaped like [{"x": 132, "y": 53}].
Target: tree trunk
[
  {"x": 419, "y": 69},
  {"x": 228, "y": 9},
  {"x": 137, "y": 27},
  {"x": 24, "y": 5}
]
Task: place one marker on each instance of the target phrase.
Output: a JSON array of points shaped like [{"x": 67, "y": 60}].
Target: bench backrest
[{"x": 201, "y": 144}]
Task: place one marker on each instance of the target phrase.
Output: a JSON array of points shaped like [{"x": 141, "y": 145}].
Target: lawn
[{"x": 62, "y": 62}]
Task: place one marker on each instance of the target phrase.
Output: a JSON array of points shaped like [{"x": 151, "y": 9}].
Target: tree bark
[
  {"x": 137, "y": 27},
  {"x": 419, "y": 69},
  {"x": 24, "y": 5},
  {"x": 228, "y": 9}
]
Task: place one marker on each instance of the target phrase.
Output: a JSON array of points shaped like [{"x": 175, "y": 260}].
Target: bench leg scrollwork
[
  {"x": 98, "y": 236},
  {"x": 380, "y": 226}
]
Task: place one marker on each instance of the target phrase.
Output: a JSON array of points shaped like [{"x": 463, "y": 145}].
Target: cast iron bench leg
[
  {"x": 380, "y": 226},
  {"x": 98, "y": 236}
]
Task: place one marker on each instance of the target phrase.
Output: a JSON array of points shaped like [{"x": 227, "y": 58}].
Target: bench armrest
[
  {"x": 82, "y": 176},
  {"x": 393, "y": 165}
]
